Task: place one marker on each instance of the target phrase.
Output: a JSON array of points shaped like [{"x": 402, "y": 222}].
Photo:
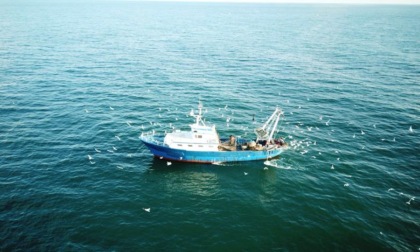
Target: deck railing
[{"x": 150, "y": 137}]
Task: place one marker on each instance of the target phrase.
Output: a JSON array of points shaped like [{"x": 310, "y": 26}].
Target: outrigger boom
[{"x": 266, "y": 132}]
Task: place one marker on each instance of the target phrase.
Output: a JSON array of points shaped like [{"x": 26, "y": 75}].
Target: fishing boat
[{"x": 201, "y": 144}]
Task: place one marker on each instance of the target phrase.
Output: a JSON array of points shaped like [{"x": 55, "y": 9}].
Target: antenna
[{"x": 198, "y": 116}]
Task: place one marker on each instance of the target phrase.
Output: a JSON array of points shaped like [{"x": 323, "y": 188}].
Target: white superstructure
[{"x": 200, "y": 138}]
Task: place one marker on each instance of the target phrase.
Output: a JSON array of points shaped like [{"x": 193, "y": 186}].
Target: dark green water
[{"x": 86, "y": 79}]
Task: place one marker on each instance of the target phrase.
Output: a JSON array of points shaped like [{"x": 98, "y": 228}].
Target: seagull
[
  {"x": 346, "y": 184},
  {"x": 147, "y": 209},
  {"x": 410, "y": 129},
  {"x": 390, "y": 189},
  {"x": 92, "y": 162},
  {"x": 362, "y": 132},
  {"x": 332, "y": 167},
  {"x": 408, "y": 202},
  {"x": 90, "y": 157},
  {"x": 168, "y": 163},
  {"x": 245, "y": 173},
  {"x": 113, "y": 147},
  {"x": 118, "y": 137},
  {"x": 111, "y": 108},
  {"x": 87, "y": 111},
  {"x": 374, "y": 126},
  {"x": 328, "y": 122},
  {"x": 320, "y": 118},
  {"x": 97, "y": 150},
  {"x": 354, "y": 135}
]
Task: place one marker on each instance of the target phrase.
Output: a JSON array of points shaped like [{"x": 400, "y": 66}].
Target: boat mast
[{"x": 198, "y": 116}]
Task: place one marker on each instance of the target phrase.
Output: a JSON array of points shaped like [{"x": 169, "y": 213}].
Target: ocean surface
[{"x": 79, "y": 82}]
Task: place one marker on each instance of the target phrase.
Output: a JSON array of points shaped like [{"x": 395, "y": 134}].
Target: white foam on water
[{"x": 278, "y": 166}]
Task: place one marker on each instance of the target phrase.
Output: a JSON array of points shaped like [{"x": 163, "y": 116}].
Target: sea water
[{"x": 79, "y": 82}]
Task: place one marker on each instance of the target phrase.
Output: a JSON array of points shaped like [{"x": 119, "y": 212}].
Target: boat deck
[{"x": 241, "y": 144}]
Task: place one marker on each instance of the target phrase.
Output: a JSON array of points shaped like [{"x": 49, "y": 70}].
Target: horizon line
[{"x": 345, "y": 2}]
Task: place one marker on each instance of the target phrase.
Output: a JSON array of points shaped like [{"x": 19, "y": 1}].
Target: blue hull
[{"x": 163, "y": 152}]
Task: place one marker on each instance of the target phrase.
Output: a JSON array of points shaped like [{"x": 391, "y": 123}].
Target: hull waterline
[{"x": 163, "y": 152}]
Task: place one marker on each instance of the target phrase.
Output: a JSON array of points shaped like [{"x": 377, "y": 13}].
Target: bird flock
[
  {"x": 298, "y": 135},
  {"x": 101, "y": 151}
]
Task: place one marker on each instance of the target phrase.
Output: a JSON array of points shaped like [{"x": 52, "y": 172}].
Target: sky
[{"x": 311, "y": 1}]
